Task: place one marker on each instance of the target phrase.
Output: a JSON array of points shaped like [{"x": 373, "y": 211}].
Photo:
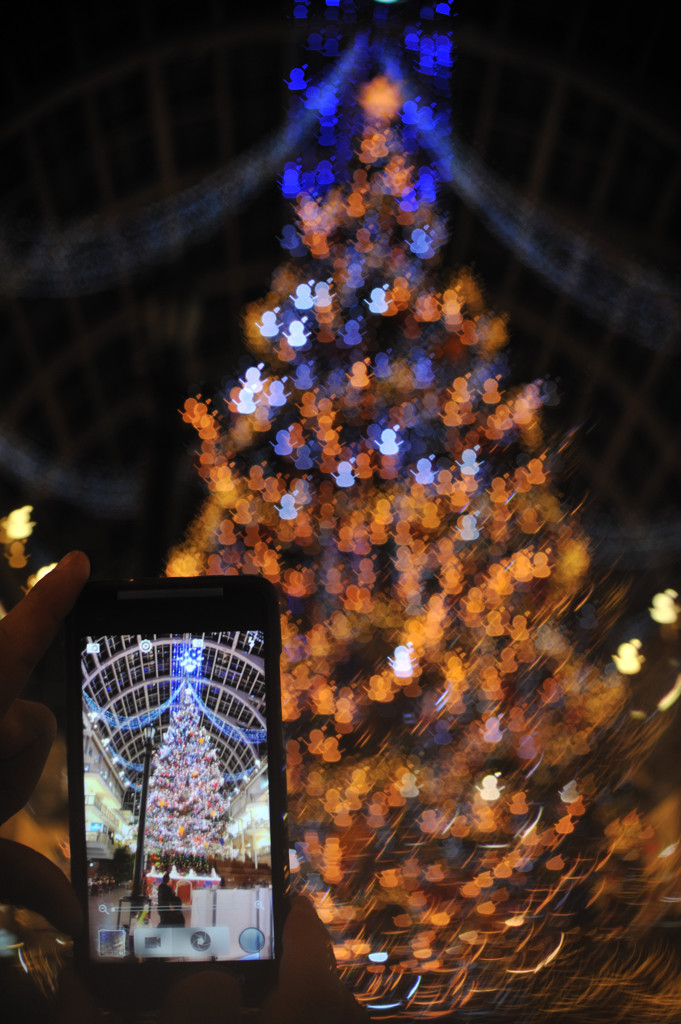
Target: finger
[
  {"x": 26, "y": 736},
  {"x": 208, "y": 997},
  {"x": 309, "y": 987},
  {"x": 307, "y": 944},
  {"x": 29, "y": 628},
  {"x": 27, "y": 879},
  {"x": 74, "y": 1003}
]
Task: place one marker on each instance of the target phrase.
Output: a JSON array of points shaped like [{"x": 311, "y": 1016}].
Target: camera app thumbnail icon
[
  {"x": 145, "y": 646},
  {"x": 200, "y": 941}
]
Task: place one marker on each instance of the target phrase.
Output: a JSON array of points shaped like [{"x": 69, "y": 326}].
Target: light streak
[
  {"x": 412, "y": 991},
  {"x": 385, "y": 1006},
  {"x": 534, "y": 767},
  {"x": 110, "y": 495},
  {"x": 542, "y": 963},
  {"x": 639, "y": 299},
  {"x": 671, "y": 697},
  {"x": 90, "y": 257},
  {"x": 530, "y": 828}
]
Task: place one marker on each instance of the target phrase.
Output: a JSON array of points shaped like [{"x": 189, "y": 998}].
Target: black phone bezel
[{"x": 195, "y": 604}]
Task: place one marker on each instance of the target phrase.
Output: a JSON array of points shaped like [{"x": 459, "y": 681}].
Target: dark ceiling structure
[
  {"x": 129, "y": 684},
  {"x": 567, "y": 210}
]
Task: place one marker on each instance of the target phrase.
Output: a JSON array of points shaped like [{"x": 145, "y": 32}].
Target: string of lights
[
  {"x": 89, "y": 257},
  {"x": 136, "y": 723}
]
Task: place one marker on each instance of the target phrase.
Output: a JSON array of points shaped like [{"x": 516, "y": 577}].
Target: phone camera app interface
[{"x": 176, "y": 796}]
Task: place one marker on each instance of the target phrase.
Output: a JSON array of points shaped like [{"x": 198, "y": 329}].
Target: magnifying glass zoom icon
[{"x": 103, "y": 909}]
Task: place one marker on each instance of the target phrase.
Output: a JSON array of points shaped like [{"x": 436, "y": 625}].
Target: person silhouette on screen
[{"x": 169, "y": 905}]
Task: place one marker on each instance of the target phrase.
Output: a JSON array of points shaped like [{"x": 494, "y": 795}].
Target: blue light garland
[
  {"x": 186, "y": 671},
  {"x": 126, "y": 724}
]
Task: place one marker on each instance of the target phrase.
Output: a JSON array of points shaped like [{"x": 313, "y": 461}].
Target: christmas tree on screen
[
  {"x": 186, "y": 808},
  {"x": 449, "y": 739}
]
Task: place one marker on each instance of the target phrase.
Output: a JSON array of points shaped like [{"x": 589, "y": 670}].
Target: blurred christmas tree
[
  {"x": 186, "y": 808},
  {"x": 452, "y": 748}
]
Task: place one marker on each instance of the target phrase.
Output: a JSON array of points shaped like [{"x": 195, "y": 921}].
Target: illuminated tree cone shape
[
  {"x": 186, "y": 808},
  {"x": 448, "y": 738}
]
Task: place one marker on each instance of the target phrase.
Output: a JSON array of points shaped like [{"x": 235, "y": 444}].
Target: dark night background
[
  {"x": 573, "y": 106},
  {"x": 104, "y": 114}
]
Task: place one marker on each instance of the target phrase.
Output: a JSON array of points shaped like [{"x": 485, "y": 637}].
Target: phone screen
[{"x": 176, "y": 796}]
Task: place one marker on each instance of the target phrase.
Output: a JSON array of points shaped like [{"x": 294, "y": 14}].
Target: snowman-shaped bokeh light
[
  {"x": 287, "y": 508},
  {"x": 269, "y": 325},
  {"x": 490, "y": 788},
  {"x": 297, "y": 333},
  {"x": 665, "y": 608},
  {"x": 628, "y": 659},
  {"x": 345, "y": 476},
  {"x": 403, "y": 661},
  {"x": 389, "y": 443},
  {"x": 303, "y": 296},
  {"x": 423, "y": 474},
  {"x": 469, "y": 464}
]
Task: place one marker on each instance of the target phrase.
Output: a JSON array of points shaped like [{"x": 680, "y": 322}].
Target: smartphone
[{"x": 176, "y": 783}]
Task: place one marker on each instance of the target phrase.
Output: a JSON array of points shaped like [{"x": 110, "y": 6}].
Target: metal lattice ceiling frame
[{"x": 123, "y": 683}]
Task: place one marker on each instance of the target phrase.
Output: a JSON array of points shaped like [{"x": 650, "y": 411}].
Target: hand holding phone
[
  {"x": 176, "y": 781},
  {"x": 308, "y": 986},
  {"x": 309, "y": 990},
  {"x": 27, "y": 730}
]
